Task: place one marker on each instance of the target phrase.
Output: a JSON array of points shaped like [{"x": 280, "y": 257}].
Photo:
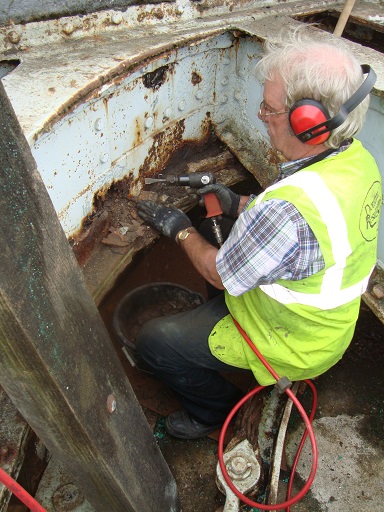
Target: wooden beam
[
  {"x": 57, "y": 363},
  {"x": 343, "y": 19}
]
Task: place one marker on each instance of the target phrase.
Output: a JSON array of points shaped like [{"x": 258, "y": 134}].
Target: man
[{"x": 298, "y": 257}]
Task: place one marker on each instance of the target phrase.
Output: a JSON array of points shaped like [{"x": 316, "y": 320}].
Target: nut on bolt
[{"x": 239, "y": 467}]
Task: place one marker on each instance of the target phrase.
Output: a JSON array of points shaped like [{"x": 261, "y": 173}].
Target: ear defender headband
[{"x": 310, "y": 120}]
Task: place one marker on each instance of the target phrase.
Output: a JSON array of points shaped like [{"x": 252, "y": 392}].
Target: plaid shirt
[{"x": 268, "y": 242}]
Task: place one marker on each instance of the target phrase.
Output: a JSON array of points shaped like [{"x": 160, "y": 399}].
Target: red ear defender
[
  {"x": 310, "y": 120},
  {"x": 304, "y": 115}
]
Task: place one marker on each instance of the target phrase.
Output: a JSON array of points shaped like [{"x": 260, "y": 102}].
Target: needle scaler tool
[{"x": 197, "y": 180}]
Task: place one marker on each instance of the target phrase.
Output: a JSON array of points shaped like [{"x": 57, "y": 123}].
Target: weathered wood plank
[{"x": 57, "y": 363}]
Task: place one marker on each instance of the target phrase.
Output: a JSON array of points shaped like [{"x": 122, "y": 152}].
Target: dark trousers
[{"x": 176, "y": 349}]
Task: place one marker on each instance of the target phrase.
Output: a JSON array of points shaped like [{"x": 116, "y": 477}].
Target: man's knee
[{"x": 152, "y": 341}]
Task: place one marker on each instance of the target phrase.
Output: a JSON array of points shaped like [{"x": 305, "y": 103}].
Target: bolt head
[
  {"x": 67, "y": 497},
  {"x": 111, "y": 403}
]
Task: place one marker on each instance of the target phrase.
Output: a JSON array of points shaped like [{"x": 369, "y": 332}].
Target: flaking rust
[{"x": 164, "y": 144}]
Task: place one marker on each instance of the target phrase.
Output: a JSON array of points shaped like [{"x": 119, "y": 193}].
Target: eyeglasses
[{"x": 265, "y": 111}]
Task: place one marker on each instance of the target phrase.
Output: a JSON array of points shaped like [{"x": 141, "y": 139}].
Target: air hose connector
[{"x": 283, "y": 384}]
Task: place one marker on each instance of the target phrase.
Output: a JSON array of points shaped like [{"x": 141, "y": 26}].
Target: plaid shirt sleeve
[{"x": 270, "y": 241}]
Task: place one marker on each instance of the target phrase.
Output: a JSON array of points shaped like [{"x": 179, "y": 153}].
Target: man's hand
[
  {"x": 166, "y": 219},
  {"x": 229, "y": 201}
]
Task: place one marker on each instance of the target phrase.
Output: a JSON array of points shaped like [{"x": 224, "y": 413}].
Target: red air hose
[
  {"x": 21, "y": 493},
  {"x": 308, "y": 431}
]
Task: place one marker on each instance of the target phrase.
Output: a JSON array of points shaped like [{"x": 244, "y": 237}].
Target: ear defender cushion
[{"x": 305, "y": 114}]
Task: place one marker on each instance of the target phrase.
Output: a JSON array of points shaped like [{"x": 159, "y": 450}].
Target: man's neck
[{"x": 306, "y": 150}]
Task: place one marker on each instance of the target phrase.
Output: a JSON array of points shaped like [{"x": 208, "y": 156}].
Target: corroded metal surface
[
  {"x": 117, "y": 88},
  {"x": 14, "y": 431},
  {"x": 243, "y": 469},
  {"x": 32, "y": 10},
  {"x": 116, "y": 234},
  {"x": 58, "y": 493}
]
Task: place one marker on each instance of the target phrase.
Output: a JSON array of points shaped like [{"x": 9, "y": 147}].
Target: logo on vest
[{"x": 370, "y": 213}]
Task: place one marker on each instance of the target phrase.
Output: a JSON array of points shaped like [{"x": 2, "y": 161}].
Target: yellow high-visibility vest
[{"x": 304, "y": 327}]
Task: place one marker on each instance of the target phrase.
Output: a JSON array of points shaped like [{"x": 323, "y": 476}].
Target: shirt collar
[{"x": 288, "y": 168}]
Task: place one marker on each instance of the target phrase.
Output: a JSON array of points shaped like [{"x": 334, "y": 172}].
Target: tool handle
[
  {"x": 212, "y": 205},
  {"x": 196, "y": 179}
]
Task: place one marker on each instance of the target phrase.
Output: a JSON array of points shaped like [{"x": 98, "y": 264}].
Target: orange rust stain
[
  {"x": 138, "y": 137},
  {"x": 164, "y": 145},
  {"x": 105, "y": 101},
  {"x": 156, "y": 13}
]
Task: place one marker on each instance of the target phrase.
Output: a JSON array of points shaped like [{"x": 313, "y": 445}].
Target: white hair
[{"x": 324, "y": 71}]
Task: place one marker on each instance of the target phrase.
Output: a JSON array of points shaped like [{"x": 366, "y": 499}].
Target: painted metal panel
[{"x": 110, "y": 136}]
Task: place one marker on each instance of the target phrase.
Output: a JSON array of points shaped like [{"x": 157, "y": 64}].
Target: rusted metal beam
[
  {"x": 102, "y": 260},
  {"x": 35, "y": 10},
  {"x": 57, "y": 363}
]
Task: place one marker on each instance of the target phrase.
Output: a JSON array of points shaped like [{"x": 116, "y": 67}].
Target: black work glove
[
  {"x": 229, "y": 201},
  {"x": 166, "y": 219}
]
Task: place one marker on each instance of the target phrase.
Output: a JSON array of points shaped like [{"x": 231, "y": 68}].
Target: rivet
[
  {"x": 224, "y": 99},
  {"x": 117, "y": 18},
  {"x": 224, "y": 80},
  {"x": 167, "y": 113},
  {"x": 99, "y": 124},
  {"x": 179, "y": 9},
  {"x": 111, "y": 403},
  {"x": 199, "y": 95},
  {"x": 182, "y": 105},
  {"x": 237, "y": 95},
  {"x": 68, "y": 28},
  {"x": 14, "y": 37},
  {"x": 226, "y": 61},
  {"x": 148, "y": 122},
  {"x": 104, "y": 158}
]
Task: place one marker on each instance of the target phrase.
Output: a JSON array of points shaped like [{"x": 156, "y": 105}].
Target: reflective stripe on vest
[{"x": 331, "y": 295}]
